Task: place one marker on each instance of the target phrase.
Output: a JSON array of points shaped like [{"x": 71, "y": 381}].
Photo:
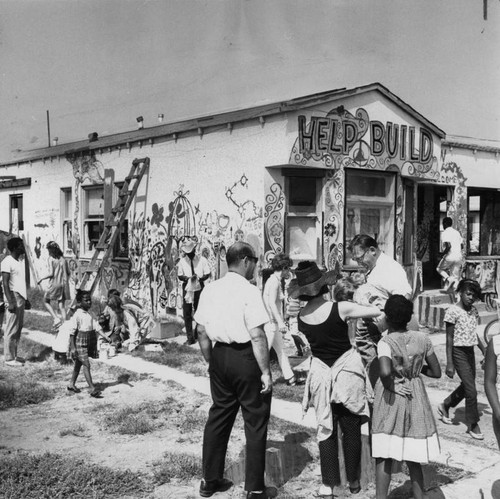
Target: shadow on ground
[{"x": 290, "y": 452}]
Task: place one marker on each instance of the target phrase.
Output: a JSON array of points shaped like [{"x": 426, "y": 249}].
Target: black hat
[{"x": 309, "y": 280}]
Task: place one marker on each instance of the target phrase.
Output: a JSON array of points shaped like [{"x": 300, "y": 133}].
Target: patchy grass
[
  {"x": 178, "y": 357},
  {"x": 39, "y": 322},
  {"x": 48, "y": 475},
  {"x": 140, "y": 419},
  {"x": 17, "y": 394},
  {"x": 75, "y": 431},
  {"x": 176, "y": 467}
]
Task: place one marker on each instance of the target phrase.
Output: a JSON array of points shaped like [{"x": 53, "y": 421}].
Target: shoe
[
  {"x": 291, "y": 381},
  {"x": 208, "y": 489},
  {"x": 73, "y": 389},
  {"x": 443, "y": 414},
  {"x": 13, "y": 363},
  {"x": 21, "y": 360},
  {"x": 355, "y": 490},
  {"x": 96, "y": 394},
  {"x": 189, "y": 342},
  {"x": 325, "y": 492},
  {"x": 475, "y": 436},
  {"x": 269, "y": 492}
]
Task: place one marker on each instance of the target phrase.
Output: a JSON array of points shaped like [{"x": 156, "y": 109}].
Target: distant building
[{"x": 301, "y": 176}]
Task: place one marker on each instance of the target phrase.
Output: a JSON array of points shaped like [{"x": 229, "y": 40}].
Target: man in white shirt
[
  {"x": 389, "y": 278},
  {"x": 231, "y": 317},
  {"x": 451, "y": 263},
  {"x": 192, "y": 271},
  {"x": 14, "y": 285}
]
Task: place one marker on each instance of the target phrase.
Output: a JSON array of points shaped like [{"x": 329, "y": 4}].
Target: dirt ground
[{"x": 72, "y": 424}]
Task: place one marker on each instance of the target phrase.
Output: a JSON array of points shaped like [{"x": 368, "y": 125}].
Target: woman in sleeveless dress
[
  {"x": 403, "y": 425},
  {"x": 324, "y": 323}
]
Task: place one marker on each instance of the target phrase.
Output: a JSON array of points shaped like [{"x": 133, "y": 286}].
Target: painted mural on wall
[
  {"x": 341, "y": 140},
  {"x": 155, "y": 239}
]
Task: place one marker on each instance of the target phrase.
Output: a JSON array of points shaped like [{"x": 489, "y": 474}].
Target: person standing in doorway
[
  {"x": 451, "y": 262},
  {"x": 192, "y": 271},
  {"x": 14, "y": 285},
  {"x": 231, "y": 317}
]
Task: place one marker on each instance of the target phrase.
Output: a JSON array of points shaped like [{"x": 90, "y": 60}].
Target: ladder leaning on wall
[{"x": 104, "y": 248}]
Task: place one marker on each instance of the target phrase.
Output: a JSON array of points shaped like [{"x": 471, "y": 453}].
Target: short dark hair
[
  {"x": 80, "y": 293},
  {"x": 469, "y": 284},
  {"x": 113, "y": 292},
  {"x": 238, "y": 251},
  {"x": 398, "y": 311},
  {"x": 344, "y": 289},
  {"x": 14, "y": 243},
  {"x": 281, "y": 261},
  {"x": 363, "y": 240},
  {"x": 447, "y": 222}
]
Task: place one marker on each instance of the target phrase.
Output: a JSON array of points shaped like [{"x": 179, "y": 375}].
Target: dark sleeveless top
[{"x": 328, "y": 340}]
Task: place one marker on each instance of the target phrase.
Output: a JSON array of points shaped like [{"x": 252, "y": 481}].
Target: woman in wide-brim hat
[{"x": 324, "y": 323}]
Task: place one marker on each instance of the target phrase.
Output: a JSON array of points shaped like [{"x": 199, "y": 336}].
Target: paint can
[
  {"x": 103, "y": 352},
  {"x": 111, "y": 350}
]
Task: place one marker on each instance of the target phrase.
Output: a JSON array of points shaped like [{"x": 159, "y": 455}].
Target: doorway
[{"x": 432, "y": 206}]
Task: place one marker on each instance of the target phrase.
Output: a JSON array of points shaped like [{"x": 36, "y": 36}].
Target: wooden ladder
[{"x": 104, "y": 248}]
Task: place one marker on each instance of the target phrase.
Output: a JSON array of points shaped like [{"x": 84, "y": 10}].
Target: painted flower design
[
  {"x": 330, "y": 230},
  {"x": 157, "y": 217}
]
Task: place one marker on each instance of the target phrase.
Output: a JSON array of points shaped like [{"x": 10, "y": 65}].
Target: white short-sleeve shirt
[
  {"x": 229, "y": 308},
  {"x": 17, "y": 271},
  {"x": 452, "y": 236},
  {"x": 389, "y": 277}
]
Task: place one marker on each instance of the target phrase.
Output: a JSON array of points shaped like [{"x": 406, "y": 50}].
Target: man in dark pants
[
  {"x": 193, "y": 271},
  {"x": 230, "y": 317}
]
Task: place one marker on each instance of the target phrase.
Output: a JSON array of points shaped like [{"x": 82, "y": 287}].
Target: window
[
  {"x": 93, "y": 217},
  {"x": 370, "y": 209},
  {"x": 66, "y": 219},
  {"x": 121, "y": 245},
  {"x": 16, "y": 213},
  {"x": 483, "y": 213},
  {"x": 303, "y": 226}
]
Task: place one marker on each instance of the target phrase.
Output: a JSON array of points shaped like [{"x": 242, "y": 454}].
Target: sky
[{"x": 96, "y": 65}]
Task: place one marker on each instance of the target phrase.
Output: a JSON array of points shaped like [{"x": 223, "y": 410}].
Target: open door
[{"x": 432, "y": 204}]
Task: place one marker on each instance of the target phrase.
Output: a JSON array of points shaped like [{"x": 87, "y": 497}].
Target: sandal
[
  {"x": 96, "y": 394},
  {"x": 475, "y": 436},
  {"x": 442, "y": 414},
  {"x": 73, "y": 389}
]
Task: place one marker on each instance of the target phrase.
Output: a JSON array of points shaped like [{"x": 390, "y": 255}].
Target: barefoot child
[
  {"x": 461, "y": 322},
  {"x": 83, "y": 341}
]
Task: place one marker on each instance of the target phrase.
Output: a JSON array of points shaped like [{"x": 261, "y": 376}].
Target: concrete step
[{"x": 426, "y": 300}]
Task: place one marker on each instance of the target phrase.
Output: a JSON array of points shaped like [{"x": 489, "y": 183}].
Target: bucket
[
  {"x": 111, "y": 351},
  {"x": 104, "y": 352}
]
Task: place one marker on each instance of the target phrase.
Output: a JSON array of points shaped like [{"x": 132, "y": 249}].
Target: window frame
[
  {"x": 388, "y": 202},
  {"x": 88, "y": 252}
]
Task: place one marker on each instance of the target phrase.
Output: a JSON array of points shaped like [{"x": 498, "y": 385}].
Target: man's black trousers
[{"x": 235, "y": 382}]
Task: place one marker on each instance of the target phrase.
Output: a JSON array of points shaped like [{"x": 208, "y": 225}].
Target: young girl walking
[
  {"x": 403, "y": 426},
  {"x": 58, "y": 289},
  {"x": 461, "y": 322},
  {"x": 83, "y": 341}
]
